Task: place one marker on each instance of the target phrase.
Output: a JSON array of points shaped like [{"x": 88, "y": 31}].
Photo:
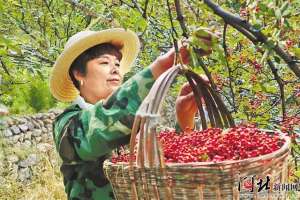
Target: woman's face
[{"x": 101, "y": 79}]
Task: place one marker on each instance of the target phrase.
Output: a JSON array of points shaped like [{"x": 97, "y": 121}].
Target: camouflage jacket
[{"x": 85, "y": 138}]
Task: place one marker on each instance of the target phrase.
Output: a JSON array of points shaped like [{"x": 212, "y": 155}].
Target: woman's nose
[{"x": 115, "y": 69}]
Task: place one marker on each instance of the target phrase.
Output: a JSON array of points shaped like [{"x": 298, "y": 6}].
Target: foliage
[
  {"x": 33, "y": 33},
  {"x": 34, "y": 96},
  {"x": 33, "y": 38}
]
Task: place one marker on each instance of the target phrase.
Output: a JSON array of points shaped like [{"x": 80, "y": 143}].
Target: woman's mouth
[{"x": 114, "y": 81}]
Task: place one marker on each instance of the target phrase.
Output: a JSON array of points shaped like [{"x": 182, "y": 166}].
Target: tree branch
[
  {"x": 69, "y": 24},
  {"x": 260, "y": 37},
  {"x": 137, "y": 6},
  {"x": 280, "y": 85},
  {"x": 188, "y": 3},
  {"x": 150, "y": 19},
  {"x": 82, "y": 8},
  {"x": 173, "y": 32},
  {"x": 228, "y": 67},
  {"x": 271, "y": 108},
  {"x": 180, "y": 18},
  {"x": 227, "y": 99},
  {"x": 4, "y": 66},
  {"x": 127, "y": 4},
  {"x": 33, "y": 53},
  {"x": 52, "y": 16},
  {"x": 145, "y": 9}
]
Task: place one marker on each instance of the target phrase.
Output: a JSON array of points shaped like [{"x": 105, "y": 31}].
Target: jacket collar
[{"x": 82, "y": 103}]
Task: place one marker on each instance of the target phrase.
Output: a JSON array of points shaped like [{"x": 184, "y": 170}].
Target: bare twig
[
  {"x": 173, "y": 32},
  {"x": 180, "y": 18},
  {"x": 228, "y": 68},
  {"x": 145, "y": 9},
  {"x": 153, "y": 21},
  {"x": 280, "y": 85},
  {"x": 188, "y": 3},
  {"x": 208, "y": 74},
  {"x": 4, "y": 66},
  {"x": 127, "y": 4},
  {"x": 20, "y": 24},
  {"x": 137, "y": 6},
  {"x": 269, "y": 109},
  {"x": 33, "y": 53},
  {"x": 227, "y": 99},
  {"x": 244, "y": 32},
  {"x": 69, "y": 24},
  {"x": 48, "y": 6},
  {"x": 142, "y": 11}
]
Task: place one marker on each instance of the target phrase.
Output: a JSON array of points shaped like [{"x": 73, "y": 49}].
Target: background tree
[{"x": 255, "y": 68}]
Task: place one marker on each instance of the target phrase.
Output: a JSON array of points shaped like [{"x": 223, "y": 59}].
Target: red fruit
[
  {"x": 244, "y": 141},
  {"x": 243, "y": 12},
  {"x": 289, "y": 43}
]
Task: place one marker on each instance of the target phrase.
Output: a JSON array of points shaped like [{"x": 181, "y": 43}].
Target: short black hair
[{"x": 79, "y": 64}]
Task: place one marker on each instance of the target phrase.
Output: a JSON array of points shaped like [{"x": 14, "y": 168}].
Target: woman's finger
[
  {"x": 205, "y": 78},
  {"x": 185, "y": 89}
]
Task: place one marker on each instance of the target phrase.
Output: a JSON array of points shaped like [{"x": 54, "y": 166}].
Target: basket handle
[{"x": 149, "y": 152}]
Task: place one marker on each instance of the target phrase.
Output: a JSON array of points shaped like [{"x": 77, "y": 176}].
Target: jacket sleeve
[{"x": 105, "y": 126}]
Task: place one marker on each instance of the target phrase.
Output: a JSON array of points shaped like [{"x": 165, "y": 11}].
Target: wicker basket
[{"x": 149, "y": 177}]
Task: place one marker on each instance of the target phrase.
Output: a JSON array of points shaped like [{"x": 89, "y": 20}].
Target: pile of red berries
[{"x": 215, "y": 145}]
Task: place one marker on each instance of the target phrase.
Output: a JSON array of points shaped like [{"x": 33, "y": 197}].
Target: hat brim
[{"x": 61, "y": 85}]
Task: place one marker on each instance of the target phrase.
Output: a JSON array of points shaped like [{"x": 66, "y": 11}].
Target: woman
[{"x": 89, "y": 72}]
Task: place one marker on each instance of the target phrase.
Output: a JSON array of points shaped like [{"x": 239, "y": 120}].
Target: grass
[{"x": 46, "y": 184}]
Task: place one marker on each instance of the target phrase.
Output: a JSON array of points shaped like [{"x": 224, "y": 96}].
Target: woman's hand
[
  {"x": 186, "y": 106},
  {"x": 164, "y": 62}
]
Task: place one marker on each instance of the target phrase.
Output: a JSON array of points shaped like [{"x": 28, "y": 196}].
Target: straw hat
[{"x": 61, "y": 85}]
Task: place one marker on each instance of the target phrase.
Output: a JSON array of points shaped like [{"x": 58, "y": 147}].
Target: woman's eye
[
  {"x": 104, "y": 63},
  {"x": 117, "y": 64}
]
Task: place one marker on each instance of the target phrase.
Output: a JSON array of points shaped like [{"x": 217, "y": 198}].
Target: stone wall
[
  {"x": 35, "y": 131},
  {"x": 29, "y": 130},
  {"x": 23, "y": 133}
]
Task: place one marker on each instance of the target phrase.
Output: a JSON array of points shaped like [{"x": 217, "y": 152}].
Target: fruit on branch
[
  {"x": 255, "y": 103},
  {"x": 289, "y": 43},
  {"x": 214, "y": 144},
  {"x": 256, "y": 65},
  {"x": 203, "y": 40},
  {"x": 244, "y": 12},
  {"x": 257, "y": 9},
  {"x": 289, "y": 126}
]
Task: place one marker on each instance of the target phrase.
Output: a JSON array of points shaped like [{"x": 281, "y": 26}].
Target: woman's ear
[{"x": 77, "y": 75}]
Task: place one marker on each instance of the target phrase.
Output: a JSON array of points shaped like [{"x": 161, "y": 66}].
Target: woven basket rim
[{"x": 281, "y": 150}]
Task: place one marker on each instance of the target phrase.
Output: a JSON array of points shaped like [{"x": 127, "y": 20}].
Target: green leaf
[
  {"x": 3, "y": 52},
  {"x": 296, "y": 51},
  {"x": 278, "y": 14},
  {"x": 297, "y": 173},
  {"x": 263, "y": 88},
  {"x": 265, "y": 56},
  {"x": 286, "y": 13},
  {"x": 284, "y": 7},
  {"x": 263, "y": 7},
  {"x": 277, "y": 59},
  {"x": 286, "y": 23}
]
